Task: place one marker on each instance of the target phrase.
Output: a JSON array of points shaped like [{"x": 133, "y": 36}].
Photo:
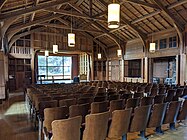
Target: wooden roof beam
[
  {"x": 68, "y": 27},
  {"x": 178, "y": 26},
  {"x": 138, "y": 2},
  {"x": 16, "y": 37},
  {"x": 2, "y": 3},
  {"x": 39, "y": 7},
  {"x": 68, "y": 13},
  {"x": 180, "y": 2},
  {"x": 98, "y": 26},
  {"x": 16, "y": 29}
]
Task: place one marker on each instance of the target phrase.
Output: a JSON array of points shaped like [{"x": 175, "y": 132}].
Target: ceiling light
[{"x": 113, "y": 15}]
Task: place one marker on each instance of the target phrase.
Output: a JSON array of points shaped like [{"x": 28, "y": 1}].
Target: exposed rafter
[
  {"x": 16, "y": 37},
  {"x": 28, "y": 10},
  {"x": 2, "y": 3},
  {"x": 146, "y": 4},
  {"x": 74, "y": 14},
  {"x": 98, "y": 26},
  {"x": 178, "y": 26},
  {"x": 16, "y": 29},
  {"x": 68, "y": 27}
]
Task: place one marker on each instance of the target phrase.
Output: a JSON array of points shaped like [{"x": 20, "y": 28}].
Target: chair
[
  {"x": 68, "y": 102},
  {"x": 98, "y": 107},
  {"x": 138, "y": 94},
  {"x": 87, "y": 95},
  {"x": 162, "y": 90},
  {"x": 113, "y": 97},
  {"x": 126, "y": 96},
  {"x": 96, "y": 126},
  {"x": 146, "y": 101},
  {"x": 154, "y": 91},
  {"x": 179, "y": 93},
  {"x": 116, "y": 105},
  {"x": 67, "y": 129},
  {"x": 183, "y": 112},
  {"x": 84, "y": 100},
  {"x": 79, "y": 110},
  {"x": 170, "y": 95},
  {"x": 132, "y": 103},
  {"x": 159, "y": 99},
  {"x": 119, "y": 126},
  {"x": 140, "y": 119},
  {"x": 100, "y": 98},
  {"x": 172, "y": 113},
  {"x": 157, "y": 116},
  {"x": 51, "y": 114}
]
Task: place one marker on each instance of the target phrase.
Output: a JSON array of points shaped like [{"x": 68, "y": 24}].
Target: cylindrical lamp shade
[
  {"x": 99, "y": 55},
  {"x": 152, "y": 47},
  {"x": 113, "y": 15},
  {"x": 55, "y": 49},
  {"x": 71, "y": 40},
  {"x": 119, "y": 53},
  {"x": 46, "y": 53}
]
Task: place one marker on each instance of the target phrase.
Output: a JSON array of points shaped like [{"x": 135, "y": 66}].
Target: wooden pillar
[
  {"x": 150, "y": 68},
  {"x": 107, "y": 70},
  {"x": 178, "y": 69},
  {"x": 146, "y": 69},
  {"x": 182, "y": 70},
  {"x": 122, "y": 70}
]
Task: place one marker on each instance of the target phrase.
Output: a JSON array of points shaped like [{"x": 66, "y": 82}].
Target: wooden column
[
  {"x": 107, "y": 70},
  {"x": 150, "y": 68},
  {"x": 182, "y": 70},
  {"x": 146, "y": 69},
  {"x": 122, "y": 70}
]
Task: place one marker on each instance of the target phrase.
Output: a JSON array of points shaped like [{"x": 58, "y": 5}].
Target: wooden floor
[{"x": 15, "y": 124}]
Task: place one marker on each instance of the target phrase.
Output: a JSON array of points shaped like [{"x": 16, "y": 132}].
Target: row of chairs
[{"x": 99, "y": 125}]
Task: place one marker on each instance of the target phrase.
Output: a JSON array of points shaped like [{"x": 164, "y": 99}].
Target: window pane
[
  {"x": 42, "y": 70},
  {"x": 67, "y": 70},
  {"x": 67, "y": 61},
  {"x": 55, "y": 61},
  {"x": 163, "y": 43},
  {"x": 41, "y": 60},
  {"x": 55, "y": 71}
]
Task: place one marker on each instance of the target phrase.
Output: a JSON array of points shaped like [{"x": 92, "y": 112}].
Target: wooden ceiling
[{"x": 139, "y": 18}]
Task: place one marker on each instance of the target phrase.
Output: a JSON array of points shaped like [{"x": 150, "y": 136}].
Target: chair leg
[
  {"x": 142, "y": 134},
  {"x": 124, "y": 137},
  {"x": 172, "y": 126},
  {"x": 159, "y": 130}
]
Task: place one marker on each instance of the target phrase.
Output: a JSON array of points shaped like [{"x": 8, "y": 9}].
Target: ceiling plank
[
  {"x": 138, "y": 2},
  {"x": 2, "y": 3},
  {"x": 4, "y": 16},
  {"x": 69, "y": 13},
  {"x": 169, "y": 15},
  {"x": 98, "y": 26},
  {"x": 178, "y": 3},
  {"x": 68, "y": 27},
  {"x": 16, "y": 29}
]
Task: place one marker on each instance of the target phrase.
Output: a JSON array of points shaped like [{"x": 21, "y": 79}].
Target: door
[{"x": 20, "y": 80}]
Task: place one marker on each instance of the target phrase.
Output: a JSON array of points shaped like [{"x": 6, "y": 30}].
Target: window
[
  {"x": 173, "y": 42},
  {"x": 156, "y": 44},
  {"x": 163, "y": 43},
  {"x": 54, "y": 67},
  {"x": 134, "y": 68}
]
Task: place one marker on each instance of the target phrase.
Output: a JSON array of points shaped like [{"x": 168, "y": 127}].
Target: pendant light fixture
[
  {"x": 99, "y": 53},
  {"x": 55, "y": 46},
  {"x": 71, "y": 36},
  {"x": 113, "y": 15},
  {"x": 152, "y": 46},
  {"x": 46, "y": 51},
  {"x": 119, "y": 52}
]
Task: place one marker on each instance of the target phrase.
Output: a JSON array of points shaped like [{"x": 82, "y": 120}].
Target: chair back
[
  {"x": 67, "y": 129},
  {"x": 96, "y": 126}
]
